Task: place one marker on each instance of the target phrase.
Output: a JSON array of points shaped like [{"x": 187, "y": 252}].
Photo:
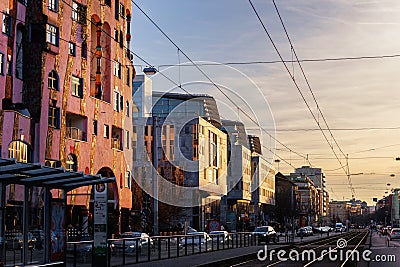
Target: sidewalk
[
  {"x": 382, "y": 254},
  {"x": 211, "y": 257}
]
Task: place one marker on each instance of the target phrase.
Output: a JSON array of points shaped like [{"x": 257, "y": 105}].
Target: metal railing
[
  {"x": 126, "y": 251},
  {"x": 76, "y": 133},
  {"x": 116, "y": 143}
]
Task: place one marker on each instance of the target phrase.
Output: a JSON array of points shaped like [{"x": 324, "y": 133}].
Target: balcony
[
  {"x": 76, "y": 134},
  {"x": 76, "y": 127},
  {"x": 116, "y": 138},
  {"x": 115, "y": 143}
]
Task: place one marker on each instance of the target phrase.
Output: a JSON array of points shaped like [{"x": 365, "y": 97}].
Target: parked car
[
  {"x": 38, "y": 235},
  {"x": 221, "y": 236},
  {"x": 394, "y": 234},
  {"x": 266, "y": 234},
  {"x": 83, "y": 247},
  {"x": 309, "y": 230},
  {"x": 302, "y": 232},
  {"x": 15, "y": 241},
  {"x": 339, "y": 227},
  {"x": 132, "y": 241},
  {"x": 323, "y": 229},
  {"x": 196, "y": 239}
]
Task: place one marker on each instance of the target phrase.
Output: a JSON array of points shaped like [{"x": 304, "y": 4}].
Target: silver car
[
  {"x": 394, "y": 234},
  {"x": 132, "y": 241}
]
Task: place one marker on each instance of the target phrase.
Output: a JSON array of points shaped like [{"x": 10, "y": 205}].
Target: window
[
  {"x": 121, "y": 39},
  {"x": 107, "y": 2},
  {"x": 1, "y": 64},
  {"x": 95, "y": 127},
  {"x": 71, "y": 163},
  {"x": 116, "y": 9},
  {"x": 117, "y": 69},
  {"x": 127, "y": 108},
  {"x": 52, "y": 163},
  {"x": 74, "y": 11},
  {"x": 19, "y": 150},
  {"x": 19, "y": 58},
  {"x": 116, "y": 35},
  {"x": 128, "y": 138},
  {"x": 51, "y": 34},
  {"x": 122, "y": 10},
  {"x": 128, "y": 179},
  {"x": 118, "y": 101},
  {"x": 128, "y": 76},
  {"x": 79, "y": 13},
  {"x": 72, "y": 49},
  {"x": 106, "y": 131},
  {"x": 9, "y": 65},
  {"x": 54, "y": 117},
  {"x": 24, "y": 2},
  {"x": 53, "y": 5},
  {"x": 84, "y": 49},
  {"x": 52, "y": 80},
  {"x": 77, "y": 86},
  {"x": 7, "y": 24}
]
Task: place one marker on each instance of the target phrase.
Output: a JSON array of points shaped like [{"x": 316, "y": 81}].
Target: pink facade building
[{"x": 65, "y": 84}]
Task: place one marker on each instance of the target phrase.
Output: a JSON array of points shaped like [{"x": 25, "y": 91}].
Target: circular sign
[{"x": 100, "y": 188}]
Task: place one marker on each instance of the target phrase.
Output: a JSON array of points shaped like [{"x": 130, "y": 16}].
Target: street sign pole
[{"x": 100, "y": 226}]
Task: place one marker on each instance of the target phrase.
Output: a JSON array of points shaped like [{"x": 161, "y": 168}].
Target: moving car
[
  {"x": 394, "y": 234},
  {"x": 266, "y": 234}
]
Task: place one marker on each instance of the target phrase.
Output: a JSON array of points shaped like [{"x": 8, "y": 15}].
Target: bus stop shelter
[{"x": 35, "y": 175}]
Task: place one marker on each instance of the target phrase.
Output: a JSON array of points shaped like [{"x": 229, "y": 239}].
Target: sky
[{"x": 359, "y": 99}]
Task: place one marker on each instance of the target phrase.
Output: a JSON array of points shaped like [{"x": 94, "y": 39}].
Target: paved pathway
[{"x": 383, "y": 253}]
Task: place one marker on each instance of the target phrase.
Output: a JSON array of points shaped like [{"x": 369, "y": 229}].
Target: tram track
[{"x": 338, "y": 250}]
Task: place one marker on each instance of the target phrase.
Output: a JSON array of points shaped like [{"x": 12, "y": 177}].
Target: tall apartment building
[
  {"x": 190, "y": 151},
  {"x": 65, "y": 83}
]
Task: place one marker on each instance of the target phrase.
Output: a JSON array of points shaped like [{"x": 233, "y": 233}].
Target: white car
[
  {"x": 221, "y": 236},
  {"x": 197, "y": 240},
  {"x": 130, "y": 240},
  {"x": 394, "y": 234}
]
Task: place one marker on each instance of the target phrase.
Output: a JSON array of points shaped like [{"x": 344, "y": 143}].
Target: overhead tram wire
[
  {"x": 305, "y": 78},
  {"x": 212, "y": 82},
  {"x": 315, "y": 100},
  {"x": 286, "y": 61},
  {"x": 295, "y": 83}
]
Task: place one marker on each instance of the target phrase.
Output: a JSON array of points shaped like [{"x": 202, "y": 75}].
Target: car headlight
[
  {"x": 132, "y": 246},
  {"x": 112, "y": 245},
  {"x": 264, "y": 234}
]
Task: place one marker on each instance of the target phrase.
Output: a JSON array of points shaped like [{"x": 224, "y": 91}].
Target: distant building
[
  {"x": 317, "y": 176},
  {"x": 287, "y": 201},
  {"x": 338, "y": 211},
  {"x": 308, "y": 204}
]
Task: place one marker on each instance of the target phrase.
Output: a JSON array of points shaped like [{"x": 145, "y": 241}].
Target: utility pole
[{"x": 155, "y": 175}]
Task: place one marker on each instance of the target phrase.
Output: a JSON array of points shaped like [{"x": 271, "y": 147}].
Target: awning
[{"x": 13, "y": 172}]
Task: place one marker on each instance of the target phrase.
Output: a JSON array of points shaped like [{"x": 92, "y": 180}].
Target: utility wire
[
  {"x": 305, "y": 77},
  {"x": 211, "y": 81},
  {"x": 279, "y": 61},
  {"x": 294, "y": 81}
]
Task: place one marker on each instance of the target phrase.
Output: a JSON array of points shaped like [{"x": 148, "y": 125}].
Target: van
[{"x": 338, "y": 227}]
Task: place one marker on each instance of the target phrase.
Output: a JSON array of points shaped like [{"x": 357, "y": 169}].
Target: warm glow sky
[{"x": 351, "y": 94}]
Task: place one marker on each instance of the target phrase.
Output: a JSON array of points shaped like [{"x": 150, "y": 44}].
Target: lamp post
[{"x": 155, "y": 175}]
